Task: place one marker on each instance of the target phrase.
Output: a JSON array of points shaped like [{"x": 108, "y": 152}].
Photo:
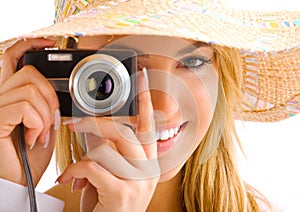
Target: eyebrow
[
  {"x": 191, "y": 48},
  {"x": 183, "y": 51},
  {"x": 119, "y": 46}
]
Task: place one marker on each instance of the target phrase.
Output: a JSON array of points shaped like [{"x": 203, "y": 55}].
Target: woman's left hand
[{"x": 123, "y": 166}]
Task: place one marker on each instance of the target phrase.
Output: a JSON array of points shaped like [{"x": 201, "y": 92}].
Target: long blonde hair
[{"x": 211, "y": 181}]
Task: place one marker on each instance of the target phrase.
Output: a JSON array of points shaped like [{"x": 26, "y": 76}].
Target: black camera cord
[{"x": 30, "y": 184}]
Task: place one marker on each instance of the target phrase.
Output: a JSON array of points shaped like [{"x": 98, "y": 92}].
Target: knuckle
[
  {"x": 9, "y": 51},
  {"x": 90, "y": 165},
  {"x": 54, "y": 99},
  {"x": 32, "y": 73},
  {"x": 31, "y": 91},
  {"x": 49, "y": 93},
  {"x": 26, "y": 106},
  {"x": 124, "y": 130},
  {"x": 47, "y": 124},
  {"x": 30, "y": 70}
]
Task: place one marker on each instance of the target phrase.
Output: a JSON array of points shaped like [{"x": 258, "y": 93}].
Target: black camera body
[{"x": 88, "y": 82}]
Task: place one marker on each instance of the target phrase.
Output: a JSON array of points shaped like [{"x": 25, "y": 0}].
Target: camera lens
[{"x": 100, "y": 85}]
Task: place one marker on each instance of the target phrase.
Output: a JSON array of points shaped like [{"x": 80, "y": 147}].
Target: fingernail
[
  {"x": 57, "y": 119},
  {"x": 47, "y": 139},
  {"x": 61, "y": 179},
  {"x": 72, "y": 188},
  {"x": 146, "y": 77},
  {"x": 72, "y": 121},
  {"x": 32, "y": 145},
  {"x": 57, "y": 180}
]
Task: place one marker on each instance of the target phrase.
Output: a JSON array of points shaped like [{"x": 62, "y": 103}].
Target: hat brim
[
  {"x": 197, "y": 20},
  {"x": 275, "y": 34}
]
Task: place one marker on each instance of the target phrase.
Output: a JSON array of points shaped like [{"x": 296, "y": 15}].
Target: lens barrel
[{"x": 99, "y": 84}]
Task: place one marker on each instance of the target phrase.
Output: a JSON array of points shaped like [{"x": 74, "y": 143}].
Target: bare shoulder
[{"x": 63, "y": 192}]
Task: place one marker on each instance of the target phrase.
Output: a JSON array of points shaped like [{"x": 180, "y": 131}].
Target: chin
[{"x": 170, "y": 174}]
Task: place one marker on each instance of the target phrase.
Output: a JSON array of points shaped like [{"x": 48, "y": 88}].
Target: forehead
[{"x": 159, "y": 45}]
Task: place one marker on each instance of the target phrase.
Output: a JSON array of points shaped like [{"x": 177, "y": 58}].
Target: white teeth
[
  {"x": 171, "y": 133},
  {"x": 167, "y": 134}
]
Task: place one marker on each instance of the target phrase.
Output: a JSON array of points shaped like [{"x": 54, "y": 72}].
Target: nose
[
  {"x": 161, "y": 83},
  {"x": 166, "y": 109}
]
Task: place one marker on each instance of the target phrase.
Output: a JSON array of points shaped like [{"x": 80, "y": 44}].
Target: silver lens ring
[{"x": 79, "y": 78}]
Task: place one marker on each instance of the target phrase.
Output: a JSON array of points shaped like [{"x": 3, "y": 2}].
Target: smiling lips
[
  {"x": 166, "y": 138},
  {"x": 167, "y": 134}
]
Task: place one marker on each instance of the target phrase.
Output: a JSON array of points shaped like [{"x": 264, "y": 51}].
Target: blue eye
[{"x": 193, "y": 62}]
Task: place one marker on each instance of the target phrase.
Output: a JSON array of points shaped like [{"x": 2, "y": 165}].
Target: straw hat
[{"x": 268, "y": 41}]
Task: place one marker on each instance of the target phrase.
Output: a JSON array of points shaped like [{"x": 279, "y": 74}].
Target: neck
[{"x": 167, "y": 196}]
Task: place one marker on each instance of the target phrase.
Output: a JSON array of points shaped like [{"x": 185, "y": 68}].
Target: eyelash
[
  {"x": 180, "y": 64},
  {"x": 197, "y": 59}
]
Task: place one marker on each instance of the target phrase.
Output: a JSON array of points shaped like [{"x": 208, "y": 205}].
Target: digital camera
[{"x": 87, "y": 82}]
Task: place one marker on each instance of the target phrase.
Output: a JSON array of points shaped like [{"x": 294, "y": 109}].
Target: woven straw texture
[
  {"x": 271, "y": 85},
  {"x": 204, "y": 20}
]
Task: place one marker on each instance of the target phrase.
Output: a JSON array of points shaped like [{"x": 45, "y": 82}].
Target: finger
[
  {"x": 14, "y": 114},
  {"x": 14, "y": 53},
  {"x": 29, "y": 75},
  {"x": 78, "y": 183},
  {"x": 112, "y": 163},
  {"x": 134, "y": 166},
  {"x": 31, "y": 94},
  {"x": 145, "y": 129},
  {"x": 129, "y": 168},
  {"x": 122, "y": 136},
  {"x": 88, "y": 169}
]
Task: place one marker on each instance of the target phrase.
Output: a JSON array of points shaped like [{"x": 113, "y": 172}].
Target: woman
[{"x": 182, "y": 138}]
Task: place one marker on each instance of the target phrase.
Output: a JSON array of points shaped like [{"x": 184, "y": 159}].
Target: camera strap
[{"x": 29, "y": 180}]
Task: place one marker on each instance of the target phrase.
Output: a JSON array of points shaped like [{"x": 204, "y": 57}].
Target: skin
[
  {"x": 25, "y": 96},
  {"x": 180, "y": 98}
]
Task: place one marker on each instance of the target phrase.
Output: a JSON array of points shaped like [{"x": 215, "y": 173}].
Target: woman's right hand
[{"x": 26, "y": 97}]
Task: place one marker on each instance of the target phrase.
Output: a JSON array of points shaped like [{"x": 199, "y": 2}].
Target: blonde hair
[{"x": 211, "y": 181}]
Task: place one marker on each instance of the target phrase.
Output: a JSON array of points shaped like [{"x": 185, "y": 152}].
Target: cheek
[
  {"x": 197, "y": 108},
  {"x": 203, "y": 87},
  {"x": 203, "y": 91},
  {"x": 205, "y": 105},
  {"x": 200, "y": 114},
  {"x": 199, "y": 120}
]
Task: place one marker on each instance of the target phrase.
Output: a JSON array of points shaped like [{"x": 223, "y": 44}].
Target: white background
[{"x": 272, "y": 149}]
